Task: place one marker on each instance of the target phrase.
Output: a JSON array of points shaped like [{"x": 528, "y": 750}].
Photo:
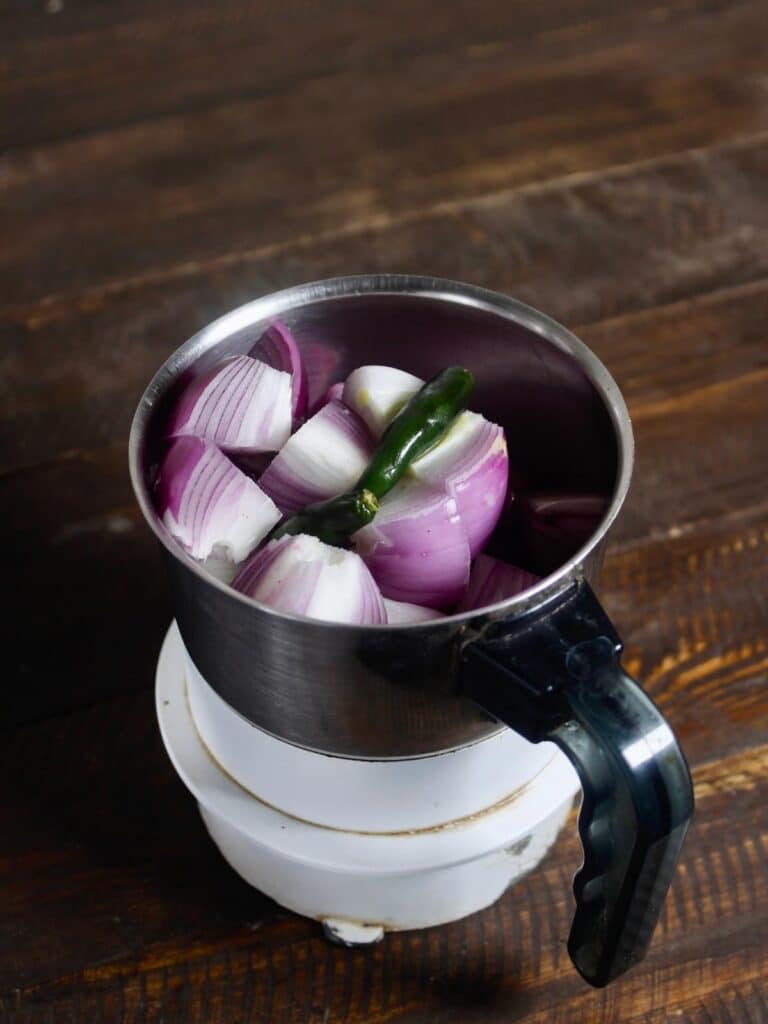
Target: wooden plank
[
  {"x": 691, "y": 608},
  {"x": 80, "y": 541},
  {"x": 121, "y": 63},
  {"x": 230, "y": 150},
  {"x": 703, "y": 225},
  {"x": 151, "y": 925}
]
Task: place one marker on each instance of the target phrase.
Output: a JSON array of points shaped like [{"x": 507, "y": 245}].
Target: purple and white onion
[
  {"x": 325, "y": 457},
  {"x": 209, "y": 505},
  {"x": 334, "y": 394},
  {"x": 491, "y": 581},
  {"x": 378, "y": 393},
  {"x": 241, "y": 404},
  {"x": 278, "y": 349},
  {"x": 399, "y": 612},
  {"x": 471, "y": 463},
  {"x": 416, "y": 546},
  {"x": 322, "y": 365},
  {"x": 300, "y": 575}
]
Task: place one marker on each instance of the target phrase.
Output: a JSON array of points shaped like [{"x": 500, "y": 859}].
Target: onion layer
[
  {"x": 334, "y": 393},
  {"x": 278, "y": 349},
  {"x": 325, "y": 457},
  {"x": 242, "y": 405},
  {"x": 377, "y": 393},
  {"x": 471, "y": 463},
  {"x": 301, "y": 575},
  {"x": 491, "y": 581},
  {"x": 208, "y": 504},
  {"x": 416, "y": 546},
  {"x": 401, "y": 611}
]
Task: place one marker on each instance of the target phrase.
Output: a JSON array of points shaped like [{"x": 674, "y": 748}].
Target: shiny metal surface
[{"x": 381, "y": 691}]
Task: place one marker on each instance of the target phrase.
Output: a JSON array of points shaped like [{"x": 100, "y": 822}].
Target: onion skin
[
  {"x": 208, "y": 504},
  {"x": 241, "y": 404},
  {"x": 324, "y": 458},
  {"x": 277, "y": 348},
  {"x": 492, "y": 581},
  {"x": 300, "y": 575},
  {"x": 416, "y": 546}
]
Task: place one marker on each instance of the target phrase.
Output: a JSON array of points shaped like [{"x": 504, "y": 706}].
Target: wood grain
[
  {"x": 195, "y": 177},
  {"x": 704, "y": 225},
  {"x": 164, "y": 161}
]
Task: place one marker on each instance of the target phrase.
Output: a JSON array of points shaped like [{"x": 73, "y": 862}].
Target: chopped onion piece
[
  {"x": 378, "y": 393},
  {"x": 303, "y": 576},
  {"x": 241, "y": 404},
  {"x": 208, "y": 504},
  {"x": 491, "y": 581},
  {"x": 325, "y": 457},
  {"x": 401, "y": 611},
  {"x": 322, "y": 365},
  {"x": 334, "y": 393},
  {"x": 471, "y": 463},
  {"x": 416, "y": 546},
  {"x": 278, "y": 349},
  {"x": 220, "y": 566}
]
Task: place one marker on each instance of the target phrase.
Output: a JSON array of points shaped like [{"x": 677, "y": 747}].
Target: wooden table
[{"x": 165, "y": 160}]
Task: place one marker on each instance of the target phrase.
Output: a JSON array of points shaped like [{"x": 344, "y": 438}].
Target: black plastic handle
[{"x": 554, "y": 674}]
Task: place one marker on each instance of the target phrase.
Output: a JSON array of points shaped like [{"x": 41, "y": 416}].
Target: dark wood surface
[{"x": 164, "y": 160}]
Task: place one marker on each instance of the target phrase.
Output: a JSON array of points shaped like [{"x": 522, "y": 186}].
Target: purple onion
[
  {"x": 471, "y": 463},
  {"x": 333, "y": 394},
  {"x": 416, "y": 546},
  {"x": 208, "y": 504},
  {"x": 378, "y": 393},
  {"x": 325, "y": 457},
  {"x": 278, "y": 349},
  {"x": 301, "y": 575},
  {"x": 241, "y": 404},
  {"x": 491, "y": 581},
  {"x": 322, "y": 366}
]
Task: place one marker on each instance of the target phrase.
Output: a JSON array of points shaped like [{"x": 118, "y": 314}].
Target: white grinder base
[{"x": 361, "y": 881}]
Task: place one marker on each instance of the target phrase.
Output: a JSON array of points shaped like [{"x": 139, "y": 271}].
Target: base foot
[{"x": 350, "y": 933}]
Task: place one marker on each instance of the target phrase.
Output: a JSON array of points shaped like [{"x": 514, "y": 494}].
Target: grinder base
[{"x": 361, "y": 882}]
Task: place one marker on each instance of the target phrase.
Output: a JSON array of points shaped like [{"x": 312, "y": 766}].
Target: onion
[
  {"x": 491, "y": 581},
  {"x": 278, "y": 349},
  {"x": 322, "y": 366},
  {"x": 208, "y": 504},
  {"x": 565, "y": 519},
  {"x": 471, "y": 463},
  {"x": 416, "y": 546},
  {"x": 401, "y": 611},
  {"x": 377, "y": 393},
  {"x": 334, "y": 393},
  {"x": 549, "y": 526},
  {"x": 325, "y": 457},
  {"x": 241, "y": 404},
  {"x": 303, "y": 576},
  {"x": 220, "y": 566}
]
